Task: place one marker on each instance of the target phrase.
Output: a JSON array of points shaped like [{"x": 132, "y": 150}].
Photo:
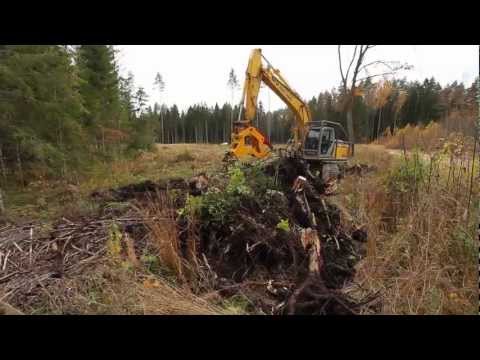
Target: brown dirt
[{"x": 251, "y": 257}]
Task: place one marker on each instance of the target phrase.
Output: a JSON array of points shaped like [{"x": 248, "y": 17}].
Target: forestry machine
[{"x": 316, "y": 143}]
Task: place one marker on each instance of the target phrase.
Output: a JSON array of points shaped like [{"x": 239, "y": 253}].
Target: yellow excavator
[{"x": 317, "y": 142}]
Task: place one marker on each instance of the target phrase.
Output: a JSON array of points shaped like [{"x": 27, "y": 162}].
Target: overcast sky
[{"x": 199, "y": 73}]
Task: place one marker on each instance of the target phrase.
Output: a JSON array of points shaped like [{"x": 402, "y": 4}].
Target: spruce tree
[{"x": 99, "y": 83}]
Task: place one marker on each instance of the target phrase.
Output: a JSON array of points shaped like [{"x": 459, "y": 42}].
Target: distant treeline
[
  {"x": 382, "y": 106},
  {"x": 63, "y": 108}
]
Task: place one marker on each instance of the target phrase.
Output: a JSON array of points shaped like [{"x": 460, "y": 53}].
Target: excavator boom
[{"x": 256, "y": 74}]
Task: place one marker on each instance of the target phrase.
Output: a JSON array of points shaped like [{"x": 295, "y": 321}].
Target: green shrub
[
  {"x": 237, "y": 184},
  {"x": 193, "y": 206},
  {"x": 237, "y": 305},
  {"x": 258, "y": 180},
  {"x": 283, "y": 225},
  {"x": 151, "y": 263},
  {"x": 215, "y": 205}
]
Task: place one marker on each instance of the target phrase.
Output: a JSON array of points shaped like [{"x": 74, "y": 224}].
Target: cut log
[{"x": 311, "y": 243}]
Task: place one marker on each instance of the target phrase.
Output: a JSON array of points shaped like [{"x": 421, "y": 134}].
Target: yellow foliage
[
  {"x": 400, "y": 101},
  {"x": 377, "y": 95},
  {"x": 383, "y": 91},
  {"x": 358, "y": 91},
  {"x": 427, "y": 138}
]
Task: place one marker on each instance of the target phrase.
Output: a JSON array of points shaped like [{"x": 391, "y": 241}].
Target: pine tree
[
  {"x": 159, "y": 83},
  {"x": 141, "y": 99},
  {"x": 127, "y": 95}
]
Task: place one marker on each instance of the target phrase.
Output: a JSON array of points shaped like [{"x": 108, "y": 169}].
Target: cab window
[
  {"x": 313, "y": 139},
  {"x": 327, "y": 140}
]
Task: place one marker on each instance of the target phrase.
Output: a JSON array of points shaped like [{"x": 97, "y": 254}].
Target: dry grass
[
  {"x": 163, "y": 298},
  {"x": 119, "y": 290},
  {"x": 426, "y": 138},
  {"x": 421, "y": 252},
  {"x": 198, "y": 153},
  {"x": 176, "y": 253},
  {"x": 163, "y": 234},
  {"x": 7, "y": 309},
  {"x": 429, "y": 139},
  {"x": 183, "y": 160}
]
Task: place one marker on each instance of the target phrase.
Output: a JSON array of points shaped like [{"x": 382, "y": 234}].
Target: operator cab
[
  {"x": 326, "y": 141},
  {"x": 319, "y": 141}
]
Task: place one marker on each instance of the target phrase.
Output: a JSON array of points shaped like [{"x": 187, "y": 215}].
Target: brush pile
[
  {"x": 35, "y": 259},
  {"x": 271, "y": 236}
]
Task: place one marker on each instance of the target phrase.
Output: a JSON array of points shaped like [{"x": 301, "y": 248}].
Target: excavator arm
[
  {"x": 246, "y": 139},
  {"x": 256, "y": 73}
]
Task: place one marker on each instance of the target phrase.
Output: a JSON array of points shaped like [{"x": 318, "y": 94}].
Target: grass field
[{"x": 46, "y": 200}]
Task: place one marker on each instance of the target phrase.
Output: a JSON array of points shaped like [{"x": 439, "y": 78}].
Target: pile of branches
[
  {"x": 37, "y": 259},
  {"x": 33, "y": 259}
]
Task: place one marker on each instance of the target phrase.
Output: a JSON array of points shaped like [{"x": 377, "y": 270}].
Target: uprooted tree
[{"x": 361, "y": 73}]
